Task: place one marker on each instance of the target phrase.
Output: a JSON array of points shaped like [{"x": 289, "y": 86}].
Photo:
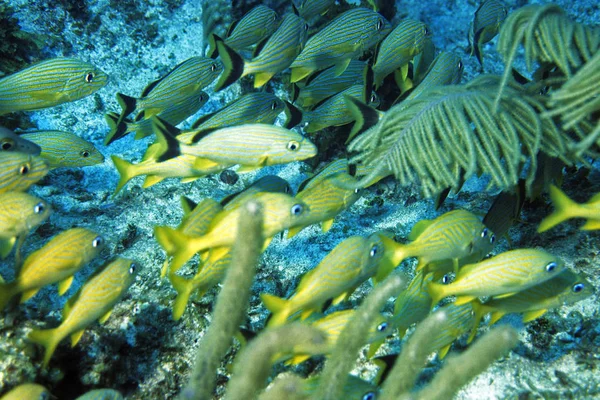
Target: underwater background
[{"x": 140, "y": 350}]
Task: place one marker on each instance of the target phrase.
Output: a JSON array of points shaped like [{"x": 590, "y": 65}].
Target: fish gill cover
[{"x": 527, "y": 105}]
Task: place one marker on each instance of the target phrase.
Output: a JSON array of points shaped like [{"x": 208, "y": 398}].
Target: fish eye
[
  {"x": 426, "y": 31},
  {"x": 369, "y": 396},
  {"x": 484, "y": 232},
  {"x": 306, "y": 27},
  {"x": 492, "y": 239},
  {"x": 89, "y": 77},
  {"x": 201, "y": 97},
  {"x": 274, "y": 106},
  {"x": 373, "y": 251},
  {"x": 445, "y": 279},
  {"x": 293, "y": 145},
  {"x": 551, "y": 266},
  {"x": 379, "y": 24},
  {"x": 84, "y": 153},
  {"x": 296, "y": 209},
  {"x": 97, "y": 242},
  {"x": 382, "y": 327},
  {"x": 356, "y": 191},
  {"x": 24, "y": 170},
  {"x": 460, "y": 64},
  {"x": 39, "y": 208},
  {"x": 132, "y": 268},
  {"x": 373, "y": 98},
  {"x": 578, "y": 287},
  {"x": 213, "y": 67},
  {"x": 7, "y": 144}
]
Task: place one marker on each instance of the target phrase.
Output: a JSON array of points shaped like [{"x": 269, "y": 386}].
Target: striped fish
[
  {"x": 461, "y": 319},
  {"x": 312, "y": 8},
  {"x": 10, "y": 141},
  {"x": 502, "y": 275},
  {"x": 446, "y": 69},
  {"x": 187, "y": 78},
  {"x": 276, "y": 55},
  {"x": 281, "y": 211},
  {"x": 18, "y": 171},
  {"x": 565, "y": 209},
  {"x": 399, "y": 47},
  {"x": 252, "y": 146},
  {"x": 101, "y": 394},
  {"x": 20, "y": 213},
  {"x": 251, "y": 108},
  {"x": 28, "y": 391},
  {"x": 258, "y": 24},
  {"x": 354, "y": 388},
  {"x": 49, "y": 83},
  {"x": 447, "y": 241},
  {"x": 345, "y": 38},
  {"x": 486, "y": 24},
  {"x": 348, "y": 265},
  {"x": 57, "y": 261},
  {"x": 94, "y": 301},
  {"x": 175, "y": 114},
  {"x": 268, "y": 183},
  {"x": 327, "y": 195},
  {"x": 65, "y": 149}
]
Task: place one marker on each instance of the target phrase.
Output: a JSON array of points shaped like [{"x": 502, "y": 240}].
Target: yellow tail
[
  {"x": 126, "y": 172},
  {"x": 563, "y": 209},
  {"x": 278, "y": 306},
  {"x": 47, "y": 338},
  {"x": 176, "y": 244},
  {"x": 393, "y": 255},
  {"x": 184, "y": 288}
]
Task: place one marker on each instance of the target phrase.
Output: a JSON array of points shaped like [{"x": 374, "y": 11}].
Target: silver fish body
[{"x": 10, "y": 141}]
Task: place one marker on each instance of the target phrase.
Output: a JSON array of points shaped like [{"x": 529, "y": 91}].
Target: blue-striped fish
[
  {"x": 65, "y": 149},
  {"x": 101, "y": 394},
  {"x": 276, "y": 55},
  {"x": 18, "y": 171},
  {"x": 502, "y": 275},
  {"x": 94, "y": 301},
  {"x": 565, "y": 209},
  {"x": 486, "y": 24},
  {"x": 49, "y": 83},
  {"x": 142, "y": 127},
  {"x": 56, "y": 262},
  {"x": 252, "y": 146},
  {"x": 256, "y": 25},
  {"x": 268, "y": 183},
  {"x": 348, "y": 265},
  {"x": 281, "y": 211},
  {"x": 399, "y": 47},
  {"x": 27, "y": 391},
  {"x": 354, "y": 388},
  {"x": 20, "y": 213},
  {"x": 446, "y": 241},
  {"x": 345, "y": 38},
  {"x": 446, "y": 69},
  {"x": 312, "y": 8},
  {"x": 10, "y": 141},
  {"x": 460, "y": 320},
  {"x": 327, "y": 195},
  {"x": 187, "y": 78}
]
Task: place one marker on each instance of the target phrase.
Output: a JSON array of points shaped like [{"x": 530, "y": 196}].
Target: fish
[
  {"x": 446, "y": 69},
  {"x": 20, "y": 213},
  {"x": 355, "y": 388},
  {"x": 10, "y": 141},
  {"x": 258, "y": 24},
  {"x": 94, "y": 301},
  {"x": 460, "y": 320},
  {"x": 505, "y": 209},
  {"x": 324, "y": 84},
  {"x": 64, "y": 149},
  {"x": 327, "y": 195},
  {"x": 341, "y": 271},
  {"x": 485, "y": 26},
  {"x": 55, "y": 262},
  {"x": 18, "y": 171},
  {"x": 565, "y": 288},
  {"x": 49, "y": 83},
  {"x": 345, "y": 38},
  {"x": 565, "y": 209},
  {"x": 281, "y": 211},
  {"x": 187, "y": 78},
  {"x": 311, "y": 8},
  {"x": 453, "y": 237},
  {"x": 268, "y": 183},
  {"x": 142, "y": 127},
  {"x": 403, "y": 43},
  {"x": 252, "y": 146},
  {"x": 27, "y": 391},
  {"x": 502, "y": 275},
  {"x": 275, "y": 56},
  {"x": 101, "y": 394}
]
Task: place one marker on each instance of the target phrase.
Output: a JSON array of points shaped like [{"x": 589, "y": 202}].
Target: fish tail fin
[
  {"x": 47, "y": 338},
  {"x": 118, "y": 128},
  {"x": 126, "y": 172},
  {"x": 393, "y": 255},
  {"x": 278, "y": 307},
  {"x": 293, "y": 115},
  {"x": 176, "y": 243},
  {"x": 7, "y": 291},
  {"x": 233, "y": 65},
  {"x": 436, "y": 292},
  {"x": 128, "y": 104},
  {"x": 212, "y": 46},
  {"x": 364, "y": 116},
  {"x": 166, "y": 137},
  {"x": 184, "y": 289},
  {"x": 299, "y": 73},
  {"x": 562, "y": 206}
]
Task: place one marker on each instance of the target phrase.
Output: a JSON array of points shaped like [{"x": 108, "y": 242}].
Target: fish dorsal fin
[
  {"x": 28, "y": 294},
  {"x": 151, "y": 86},
  {"x": 341, "y": 66},
  {"x": 76, "y": 336},
  {"x": 64, "y": 285},
  {"x": 231, "y": 28},
  {"x": 259, "y": 46},
  {"x": 202, "y": 133},
  {"x": 188, "y": 205},
  {"x": 419, "y": 228},
  {"x": 203, "y": 119},
  {"x": 305, "y": 182},
  {"x": 293, "y": 115},
  {"x": 295, "y": 10},
  {"x": 313, "y": 75},
  {"x": 103, "y": 318},
  {"x": 441, "y": 197}
]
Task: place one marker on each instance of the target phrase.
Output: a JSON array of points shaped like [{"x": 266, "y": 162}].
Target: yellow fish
[
  {"x": 348, "y": 265},
  {"x": 64, "y": 149},
  {"x": 27, "y": 391},
  {"x": 486, "y": 23},
  {"x": 10, "y": 141},
  {"x": 461, "y": 319},
  {"x": 57, "y": 261},
  {"x": 94, "y": 301},
  {"x": 565, "y": 208},
  {"x": 20, "y": 213},
  {"x": 500, "y": 276},
  {"x": 101, "y": 394},
  {"x": 18, "y": 171},
  {"x": 268, "y": 183}
]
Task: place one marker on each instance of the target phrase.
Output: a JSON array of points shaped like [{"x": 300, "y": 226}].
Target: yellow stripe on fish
[
  {"x": 268, "y": 183},
  {"x": 20, "y": 213},
  {"x": 348, "y": 265},
  {"x": 565, "y": 208},
  {"x": 18, "y": 171},
  {"x": 276, "y": 55},
  {"x": 461, "y": 319},
  {"x": 49, "y": 83},
  {"x": 312, "y": 8},
  {"x": 65, "y": 149},
  {"x": 348, "y": 36},
  {"x": 10, "y": 141},
  {"x": 57, "y": 261},
  {"x": 94, "y": 301},
  {"x": 502, "y": 275}
]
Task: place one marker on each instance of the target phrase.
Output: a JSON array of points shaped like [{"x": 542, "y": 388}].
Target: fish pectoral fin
[
  {"x": 103, "y": 318},
  {"x": 326, "y": 225},
  {"x": 249, "y": 168},
  {"x": 299, "y": 73},
  {"x": 64, "y": 285},
  {"x": 443, "y": 351},
  {"x": 28, "y": 294},
  {"x": 502, "y": 296},
  {"x": 341, "y": 67},
  {"x": 190, "y": 179},
  {"x": 591, "y": 225},
  {"x": 337, "y": 300},
  {"x": 260, "y": 78},
  {"x": 294, "y": 231},
  {"x": 152, "y": 180},
  {"x": 531, "y": 315},
  {"x": 266, "y": 243},
  {"x": 463, "y": 300},
  {"x": 6, "y": 246},
  {"x": 75, "y": 337},
  {"x": 204, "y": 164},
  {"x": 373, "y": 347}
]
